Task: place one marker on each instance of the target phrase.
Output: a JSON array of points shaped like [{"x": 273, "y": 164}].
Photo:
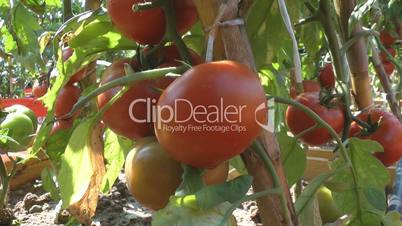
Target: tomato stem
[
  {"x": 129, "y": 79},
  {"x": 171, "y": 32},
  {"x": 269, "y": 166},
  {"x": 304, "y": 132}
]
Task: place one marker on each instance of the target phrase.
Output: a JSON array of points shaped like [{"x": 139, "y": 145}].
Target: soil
[{"x": 32, "y": 206}]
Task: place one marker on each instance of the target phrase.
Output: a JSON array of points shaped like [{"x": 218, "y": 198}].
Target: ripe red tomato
[
  {"x": 388, "y": 67},
  {"x": 386, "y": 38},
  {"x": 388, "y": 134},
  {"x": 39, "y": 89},
  {"x": 153, "y": 176},
  {"x": 298, "y": 121},
  {"x": 308, "y": 86},
  {"x": 383, "y": 55},
  {"x": 66, "y": 99},
  {"x": 148, "y": 26},
  {"x": 61, "y": 125},
  {"x": 67, "y": 53},
  {"x": 327, "y": 77},
  {"x": 219, "y": 104},
  {"x": 117, "y": 117}
]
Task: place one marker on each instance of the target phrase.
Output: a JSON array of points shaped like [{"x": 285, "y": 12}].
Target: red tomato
[
  {"x": 327, "y": 77},
  {"x": 67, "y": 53},
  {"x": 383, "y": 55},
  {"x": 61, "y": 125},
  {"x": 308, "y": 86},
  {"x": 388, "y": 67},
  {"x": 298, "y": 121},
  {"x": 386, "y": 38},
  {"x": 39, "y": 90},
  {"x": 66, "y": 99},
  {"x": 148, "y": 26},
  {"x": 117, "y": 117},
  {"x": 219, "y": 104},
  {"x": 388, "y": 134}
]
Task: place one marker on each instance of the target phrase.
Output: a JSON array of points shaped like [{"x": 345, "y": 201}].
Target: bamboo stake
[{"x": 357, "y": 55}]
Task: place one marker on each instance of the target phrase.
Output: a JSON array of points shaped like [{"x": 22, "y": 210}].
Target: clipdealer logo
[{"x": 196, "y": 118}]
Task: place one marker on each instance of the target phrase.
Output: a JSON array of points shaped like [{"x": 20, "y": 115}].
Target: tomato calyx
[
  {"x": 368, "y": 127},
  {"x": 328, "y": 99}
]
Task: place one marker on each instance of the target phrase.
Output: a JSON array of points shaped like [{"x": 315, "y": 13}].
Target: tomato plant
[
  {"x": 148, "y": 185},
  {"x": 201, "y": 86},
  {"x": 233, "y": 109},
  {"x": 386, "y": 129},
  {"x": 148, "y": 26},
  {"x": 308, "y": 86},
  {"x": 298, "y": 121},
  {"x": 327, "y": 77}
]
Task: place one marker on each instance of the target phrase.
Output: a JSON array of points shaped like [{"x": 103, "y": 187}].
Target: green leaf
[
  {"x": 356, "y": 194},
  {"x": 44, "y": 40},
  {"x": 264, "y": 25},
  {"x": 274, "y": 83},
  {"x": 95, "y": 33},
  {"x": 178, "y": 215},
  {"x": 231, "y": 191},
  {"x": 304, "y": 201},
  {"x": 376, "y": 198},
  {"x": 48, "y": 177},
  {"x": 310, "y": 216},
  {"x": 24, "y": 28},
  {"x": 36, "y": 6},
  {"x": 392, "y": 218},
  {"x": 76, "y": 170},
  {"x": 116, "y": 150},
  {"x": 293, "y": 157}
]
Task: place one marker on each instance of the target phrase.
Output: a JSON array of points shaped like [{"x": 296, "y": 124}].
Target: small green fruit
[
  {"x": 20, "y": 128},
  {"x": 328, "y": 210},
  {"x": 27, "y": 111}
]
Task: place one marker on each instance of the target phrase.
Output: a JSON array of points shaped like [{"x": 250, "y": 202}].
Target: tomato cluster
[{"x": 387, "y": 40}]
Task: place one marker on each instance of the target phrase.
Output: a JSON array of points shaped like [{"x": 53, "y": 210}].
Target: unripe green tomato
[
  {"x": 18, "y": 108},
  {"x": 20, "y": 128},
  {"x": 328, "y": 210}
]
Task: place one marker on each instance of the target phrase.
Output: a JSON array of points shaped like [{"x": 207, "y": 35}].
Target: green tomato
[
  {"x": 26, "y": 111},
  {"x": 20, "y": 128},
  {"x": 328, "y": 210}
]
